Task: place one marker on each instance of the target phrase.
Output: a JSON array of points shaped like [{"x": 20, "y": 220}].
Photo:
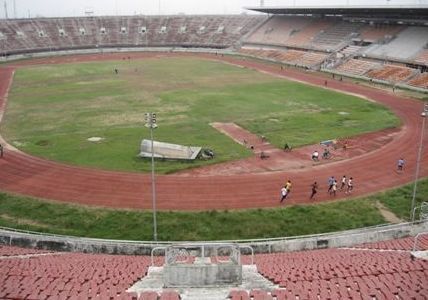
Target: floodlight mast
[
  {"x": 151, "y": 123},
  {"x": 424, "y": 115}
]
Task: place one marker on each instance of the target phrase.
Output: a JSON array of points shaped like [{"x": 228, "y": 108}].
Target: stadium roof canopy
[{"x": 419, "y": 12}]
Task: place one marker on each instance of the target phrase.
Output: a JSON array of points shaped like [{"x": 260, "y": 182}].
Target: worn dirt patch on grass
[
  {"x": 389, "y": 216},
  {"x": 22, "y": 221}
]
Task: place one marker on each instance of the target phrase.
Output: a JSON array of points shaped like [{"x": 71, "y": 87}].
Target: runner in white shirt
[{"x": 350, "y": 185}]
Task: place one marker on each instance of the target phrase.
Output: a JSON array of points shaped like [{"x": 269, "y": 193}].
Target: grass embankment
[
  {"x": 54, "y": 109},
  {"x": 30, "y": 214}
]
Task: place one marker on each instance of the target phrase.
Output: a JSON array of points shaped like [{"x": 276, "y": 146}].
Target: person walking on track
[{"x": 314, "y": 189}]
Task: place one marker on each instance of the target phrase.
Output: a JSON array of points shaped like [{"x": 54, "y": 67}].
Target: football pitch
[{"x": 53, "y": 110}]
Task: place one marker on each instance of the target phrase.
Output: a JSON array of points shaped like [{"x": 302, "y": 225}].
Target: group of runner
[{"x": 346, "y": 184}]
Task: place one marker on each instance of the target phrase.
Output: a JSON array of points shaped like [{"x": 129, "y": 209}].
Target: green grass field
[
  {"x": 53, "y": 217},
  {"x": 54, "y": 109}
]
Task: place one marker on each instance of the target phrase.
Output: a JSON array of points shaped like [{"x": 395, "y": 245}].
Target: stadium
[{"x": 143, "y": 156}]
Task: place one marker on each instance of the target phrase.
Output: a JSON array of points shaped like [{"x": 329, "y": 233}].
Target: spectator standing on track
[
  {"x": 343, "y": 182},
  {"x": 400, "y": 164},
  {"x": 330, "y": 181},
  {"x": 1, "y": 151},
  {"x": 314, "y": 189},
  {"x": 350, "y": 186}
]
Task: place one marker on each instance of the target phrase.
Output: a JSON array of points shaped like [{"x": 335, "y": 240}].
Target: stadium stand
[
  {"x": 420, "y": 80},
  {"x": 292, "y": 57},
  {"x": 47, "y": 34},
  {"x": 350, "y": 50},
  {"x": 348, "y": 40},
  {"x": 337, "y": 36},
  {"x": 404, "y": 47},
  {"x": 304, "y": 37},
  {"x": 348, "y": 273},
  {"x": 278, "y": 29},
  {"x": 357, "y": 66},
  {"x": 69, "y": 275},
  {"x": 422, "y": 57},
  {"x": 392, "y": 73},
  {"x": 305, "y": 32},
  {"x": 366, "y": 271},
  {"x": 379, "y": 33}
]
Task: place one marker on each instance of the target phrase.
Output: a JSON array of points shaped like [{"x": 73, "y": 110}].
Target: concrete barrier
[
  {"x": 191, "y": 265},
  {"x": 348, "y": 238}
]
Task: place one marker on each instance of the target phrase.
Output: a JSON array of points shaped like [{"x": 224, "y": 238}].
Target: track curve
[{"x": 373, "y": 171}]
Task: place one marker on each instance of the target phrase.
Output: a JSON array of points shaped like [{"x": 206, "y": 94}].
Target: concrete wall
[
  {"x": 341, "y": 239},
  {"x": 331, "y": 240},
  {"x": 383, "y": 82},
  {"x": 198, "y": 275}
]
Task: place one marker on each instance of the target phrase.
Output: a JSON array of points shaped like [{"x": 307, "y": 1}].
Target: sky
[{"x": 55, "y": 8}]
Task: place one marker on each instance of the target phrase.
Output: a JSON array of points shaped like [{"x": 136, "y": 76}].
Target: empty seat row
[
  {"x": 391, "y": 73},
  {"x": 357, "y": 66},
  {"x": 293, "y": 57}
]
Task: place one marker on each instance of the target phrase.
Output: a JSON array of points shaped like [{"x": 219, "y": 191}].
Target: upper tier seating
[
  {"x": 350, "y": 50},
  {"x": 422, "y": 57},
  {"x": 404, "y": 47},
  {"x": 327, "y": 34},
  {"x": 336, "y": 36},
  {"x": 27, "y": 35},
  {"x": 304, "y": 37},
  {"x": 378, "y": 32},
  {"x": 278, "y": 29}
]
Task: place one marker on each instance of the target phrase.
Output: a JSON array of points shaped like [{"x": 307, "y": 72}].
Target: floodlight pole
[
  {"x": 151, "y": 122},
  {"x": 418, "y": 161}
]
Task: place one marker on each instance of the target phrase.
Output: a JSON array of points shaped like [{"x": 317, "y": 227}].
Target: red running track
[{"x": 373, "y": 171}]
